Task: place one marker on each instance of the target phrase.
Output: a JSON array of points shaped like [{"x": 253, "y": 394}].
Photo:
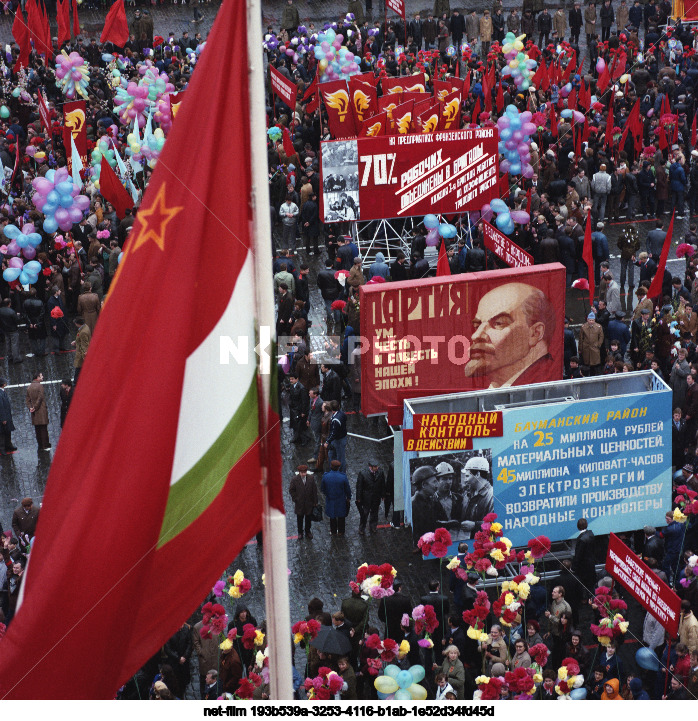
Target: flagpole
[{"x": 276, "y": 579}]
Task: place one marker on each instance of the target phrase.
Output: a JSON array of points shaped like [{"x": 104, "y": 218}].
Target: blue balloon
[
  {"x": 391, "y": 670},
  {"x": 509, "y": 228},
  {"x": 647, "y": 659},
  {"x": 33, "y": 267},
  {"x": 66, "y": 201},
  {"x": 515, "y": 168},
  {"x": 50, "y": 225},
  {"x": 50, "y": 208},
  {"x": 403, "y": 695},
  {"x": 431, "y": 221},
  {"x": 499, "y": 206},
  {"x": 502, "y": 220},
  {"x": 515, "y": 124},
  {"x": 22, "y": 240},
  {"x": 53, "y": 197},
  {"x": 118, "y": 260},
  {"x": 65, "y": 188},
  {"x": 24, "y": 278},
  {"x": 34, "y": 240},
  {"x": 12, "y": 231},
  {"x": 505, "y": 134},
  {"x": 578, "y": 694},
  {"x": 50, "y": 175},
  {"x": 404, "y": 680},
  {"x": 452, "y": 231},
  {"x": 443, "y": 229},
  {"x": 417, "y": 672}
]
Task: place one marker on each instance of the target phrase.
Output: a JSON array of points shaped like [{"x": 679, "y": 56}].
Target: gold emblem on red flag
[
  {"x": 361, "y": 104},
  {"x": 152, "y": 222},
  {"x": 339, "y": 100}
]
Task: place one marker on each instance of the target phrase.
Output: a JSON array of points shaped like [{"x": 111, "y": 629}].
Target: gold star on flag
[{"x": 153, "y": 221}]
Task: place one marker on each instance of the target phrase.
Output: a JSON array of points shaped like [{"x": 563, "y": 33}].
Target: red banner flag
[
  {"x": 364, "y": 100},
  {"x": 407, "y": 84},
  {"x": 44, "y": 113},
  {"x": 661, "y": 138},
  {"x": 182, "y": 483},
  {"x": 63, "y": 18},
  {"x": 465, "y": 91},
  {"x": 282, "y": 87},
  {"x": 693, "y": 132},
  {"x": 572, "y": 100},
  {"x": 74, "y": 116},
  {"x": 388, "y": 103},
  {"x": 553, "y": 121},
  {"x": 656, "y": 287},
  {"x": 602, "y": 83},
  {"x": 115, "y": 25},
  {"x": 588, "y": 256},
  {"x": 608, "y": 140},
  {"x": 112, "y": 189},
  {"x": 288, "y": 144},
  {"x": 48, "y": 42},
  {"x": 340, "y": 117},
  {"x": 442, "y": 266},
  {"x": 76, "y": 19},
  {"x": 476, "y": 111},
  {"x": 450, "y": 111},
  {"x": 427, "y": 121},
  {"x": 375, "y": 126},
  {"x": 20, "y": 32},
  {"x": 401, "y": 119},
  {"x": 397, "y": 6}
]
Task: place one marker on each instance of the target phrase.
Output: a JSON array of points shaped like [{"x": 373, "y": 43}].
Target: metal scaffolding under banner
[{"x": 390, "y": 235}]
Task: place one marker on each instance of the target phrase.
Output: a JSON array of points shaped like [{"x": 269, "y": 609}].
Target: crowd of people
[{"x": 625, "y": 330}]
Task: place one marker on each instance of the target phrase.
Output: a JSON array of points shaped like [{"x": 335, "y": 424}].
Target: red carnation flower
[
  {"x": 245, "y": 689},
  {"x": 373, "y": 641}
]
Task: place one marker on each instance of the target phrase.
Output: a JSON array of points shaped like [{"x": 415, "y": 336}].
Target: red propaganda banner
[
  {"x": 401, "y": 118},
  {"x": 370, "y": 77},
  {"x": 46, "y": 116},
  {"x": 416, "y": 174},
  {"x": 74, "y": 115},
  {"x": 437, "y": 333},
  {"x": 645, "y": 587},
  {"x": 505, "y": 248},
  {"x": 335, "y": 96},
  {"x": 389, "y": 102},
  {"x": 428, "y": 120},
  {"x": 284, "y": 88},
  {"x": 364, "y": 100},
  {"x": 450, "y": 431},
  {"x": 375, "y": 126},
  {"x": 397, "y": 6},
  {"x": 407, "y": 84},
  {"x": 450, "y": 111}
]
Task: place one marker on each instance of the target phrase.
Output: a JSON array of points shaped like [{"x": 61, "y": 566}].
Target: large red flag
[
  {"x": 48, "y": 41},
  {"x": 553, "y": 121},
  {"x": 63, "y": 17},
  {"x": 288, "y": 144},
  {"x": 466, "y": 87},
  {"x": 340, "y": 117},
  {"x": 20, "y": 32},
  {"x": 588, "y": 256},
  {"x": 115, "y": 25},
  {"x": 602, "y": 83},
  {"x": 656, "y": 287},
  {"x": 609, "y": 126},
  {"x": 169, "y": 479},
  {"x": 76, "y": 20},
  {"x": 397, "y": 6},
  {"x": 35, "y": 21},
  {"x": 442, "y": 266}
]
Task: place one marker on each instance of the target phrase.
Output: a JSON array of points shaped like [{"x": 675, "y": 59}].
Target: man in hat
[
  {"x": 618, "y": 331},
  {"x": 24, "y": 520},
  {"x": 654, "y": 545},
  {"x": 370, "y": 491},
  {"x": 36, "y": 403},
  {"x": 477, "y": 497},
  {"x": 612, "y": 293},
  {"x": 303, "y": 493},
  {"x": 425, "y": 508},
  {"x": 6, "y": 424},
  {"x": 590, "y": 344},
  {"x": 81, "y": 343},
  {"x": 335, "y": 486}
]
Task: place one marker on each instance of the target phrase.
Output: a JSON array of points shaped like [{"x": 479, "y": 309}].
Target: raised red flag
[
  {"x": 20, "y": 32},
  {"x": 76, "y": 19},
  {"x": 283, "y": 88},
  {"x": 588, "y": 257},
  {"x": 427, "y": 120},
  {"x": 693, "y": 132},
  {"x": 115, "y": 25},
  {"x": 397, "y": 6},
  {"x": 442, "y": 266},
  {"x": 340, "y": 117},
  {"x": 364, "y": 100},
  {"x": 48, "y": 40},
  {"x": 63, "y": 18},
  {"x": 602, "y": 83},
  {"x": 553, "y": 121},
  {"x": 401, "y": 119},
  {"x": 466, "y": 86},
  {"x": 487, "y": 91},
  {"x": 375, "y": 126},
  {"x": 174, "y": 486},
  {"x": 288, "y": 144},
  {"x": 450, "y": 111},
  {"x": 112, "y": 189},
  {"x": 44, "y": 113},
  {"x": 661, "y": 138},
  {"x": 608, "y": 140},
  {"x": 656, "y": 287}
]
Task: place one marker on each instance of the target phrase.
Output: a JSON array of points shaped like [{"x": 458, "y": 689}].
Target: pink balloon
[
  {"x": 520, "y": 216},
  {"x": 433, "y": 237},
  {"x": 487, "y": 212},
  {"x": 15, "y": 263},
  {"x": 29, "y": 252},
  {"x": 61, "y": 175},
  {"x": 31, "y": 149},
  {"x": 28, "y": 228},
  {"x": 75, "y": 214},
  {"x": 600, "y": 65},
  {"x": 62, "y": 216},
  {"x": 13, "y": 248},
  {"x": 82, "y": 202},
  {"x": 43, "y": 186}
]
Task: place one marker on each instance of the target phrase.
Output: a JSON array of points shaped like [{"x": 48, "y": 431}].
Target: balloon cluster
[
  {"x": 274, "y": 134},
  {"x": 152, "y": 145},
  {"x": 438, "y": 230},
  {"x": 72, "y": 74},
  {"x": 515, "y": 130},
  {"x": 163, "y": 112},
  {"x": 334, "y": 60},
  {"x": 157, "y": 83},
  {"x": 505, "y": 217},
  {"x": 401, "y": 684},
  {"x": 59, "y": 200},
  {"x": 24, "y": 241},
  {"x": 519, "y": 65},
  {"x": 102, "y": 148},
  {"x": 130, "y": 102},
  {"x": 25, "y": 273}
]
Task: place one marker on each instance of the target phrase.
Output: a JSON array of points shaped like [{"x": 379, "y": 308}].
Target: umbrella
[{"x": 330, "y": 641}]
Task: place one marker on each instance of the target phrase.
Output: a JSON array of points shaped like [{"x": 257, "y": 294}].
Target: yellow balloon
[
  {"x": 385, "y": 684},
  {"x": 507, "y": 48},
  {"x": 323, "y": 64},
  {"x": 418, "y": 693},
  {"x": 518, "y": 46},
  {"x": 513, "y": 64},
  {"x": 135, "y": 148},
  {"x": 624, "y": 79}
]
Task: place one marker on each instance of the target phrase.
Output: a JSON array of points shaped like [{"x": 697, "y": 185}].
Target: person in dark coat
[
  {"x": 24, "y": 520},
  {"x": 34, "y": 311},
  {"x": 335, "y": 486},
  {"x": 370, "y": 491},
  {"x": 299, "y": 405},
  {"x": 284, "y": 318},
  {"x": 442, "y": 608},
  {"x": 392, "y": 609},
  {"x": 310, "y": 223},
  {"x": 331, "y": 385},
  {"x": 6, "y": 424},
  {"x": 241, "y": 617},
  {"x": 584, "y": 564},
  {"x": 303, "y": 493},
  {"x": 178, "y": 651}
]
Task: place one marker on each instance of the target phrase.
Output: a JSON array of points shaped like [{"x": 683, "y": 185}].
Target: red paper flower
[
  {"x": 373, "y": 641},
  {"x": 245, "y": 689},
  {"x": 540, "y": 546},
  {"x": 539, "y": 654}
]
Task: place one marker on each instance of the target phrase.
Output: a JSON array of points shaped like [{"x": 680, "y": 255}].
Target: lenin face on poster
[
  {"x": 340, "y": 186},
  {"x": 479, "y": 330},
  {"x": 451, "y": 490}
]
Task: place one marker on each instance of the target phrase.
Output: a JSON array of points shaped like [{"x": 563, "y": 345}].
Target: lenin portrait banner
[
  {"x": 399, "y": 176},
  {"x": 466, "y": 332}
]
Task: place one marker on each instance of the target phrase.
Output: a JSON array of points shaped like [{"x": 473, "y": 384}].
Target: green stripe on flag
[{"x": 196, "y": 490}]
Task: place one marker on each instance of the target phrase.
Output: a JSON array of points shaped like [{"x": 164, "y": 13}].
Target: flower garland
[{"x": 568, "y": 678}]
